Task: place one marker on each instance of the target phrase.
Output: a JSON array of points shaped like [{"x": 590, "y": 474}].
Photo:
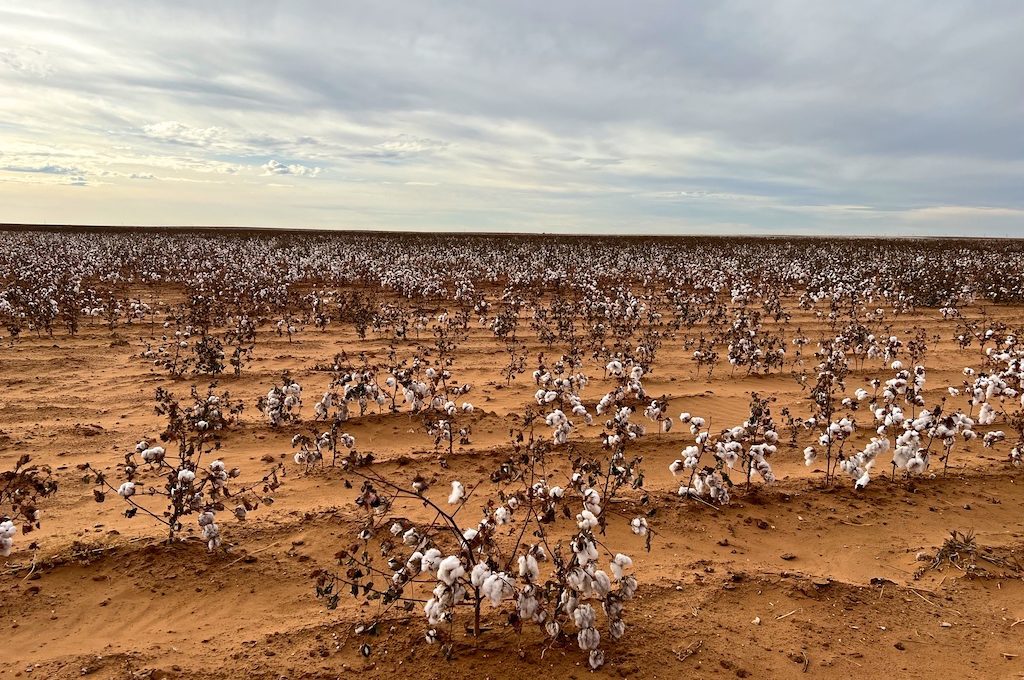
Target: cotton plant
[
  {"x": 629, "y": 387},
  {"x": 558, "y": 397},
  {"x": 745, "y": 448},
  {"x": 833, "y": 428},
  {"x": 22, "y": 488},
  {"x": 185, "y": 482},
  {"x": 657, "y": 411},
  {"x": 709, "y": 484},
  {"x": 314, "y": 447},
  {"x": 282, "y": 403},
  {"x": 518, "y": 556}
]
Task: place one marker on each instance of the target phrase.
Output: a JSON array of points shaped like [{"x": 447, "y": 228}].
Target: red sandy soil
[{"x": 832, "y": 577}]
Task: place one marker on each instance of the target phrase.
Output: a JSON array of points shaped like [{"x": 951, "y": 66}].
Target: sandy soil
[{"x": 832, "y": 576}]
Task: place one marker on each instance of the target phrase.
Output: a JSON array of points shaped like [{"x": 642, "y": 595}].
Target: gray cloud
[{"x": 868, "y": 117}]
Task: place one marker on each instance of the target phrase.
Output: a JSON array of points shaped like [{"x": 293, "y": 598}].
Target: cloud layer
[{"x": 596, "y": 116}]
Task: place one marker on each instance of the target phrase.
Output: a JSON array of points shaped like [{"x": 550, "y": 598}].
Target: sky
[{"x": 894, "y": 118}]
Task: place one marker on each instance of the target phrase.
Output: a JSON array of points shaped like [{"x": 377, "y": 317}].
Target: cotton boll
[
  {"x": 619, "y": 564},
  {"x": 639, "y": 526},
  {"x": 496, "y": 588},
  {"x": 186, "y": 476},
  {"x": 627, "y": 587},
  {"x": 153, "y": 455},
  {"x": 450, "y": 569},
  {"x": 588, "y": 638},
  {"x": 430, "y": 561},
  {"x": 211, "y": 532},
  {"x": 596, "y": 658},
  {"x": 528, "y": 567},
  {"x": 457, "y": 494},
  {"x": 126, "y": 490},
  {"x": 584, "y": 616},
  {"x": 7, "y": 532},
  {"x": 586, "y": 520},
  {"x": 479, "y": 574}
]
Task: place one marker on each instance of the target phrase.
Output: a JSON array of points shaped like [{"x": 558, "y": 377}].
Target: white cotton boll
[
  {"x": 470, "y": 534},
  {"x": 450, "y": 570},
  {"x": 639, "y": 526},
  {"x": 430, "y": 561},
  {"x": 153, "y": 455},
  {"x": 862, "y": 481},
  {"x": 467, "y": 407},
  {"x": 434, "y": 610},
  {"x": 592, "y": 501},
  {"x": 862, "y": 394},
  {"x": 619, "y": 564},
  {"x": 675, "y": 467},
  {"x": 126, "y": 490},
  {"x": 586, "y": 520},
  {"x": 7, "y": 532},
  {"x": 556, "y": 492},
  {"x": 528, "y": 606},
  {"x": 916, "y": 465},
  {"x": 580, "y": 581},
  {"x": 584, "y": 616},
  {"x": 457, "y": 494},
  {"x": 496, "y": 588},
  {"x": 502, "y": 516},
  {"x": 897, "y": 365},
  {"x": 512, "y": 502},
  {"x": 528, "y": 567},
  {"x": 186, "y": 476},
  {"x": 411, "y": 537},
  {"x": 479, "y": 574},
  {"x": 684, "y": 417},
  {"x": 987, "y": 414},
  {"x": 596, "y": 658},
  {"x": 588, "y": 639},
  {"x": 602, "y": 585}
]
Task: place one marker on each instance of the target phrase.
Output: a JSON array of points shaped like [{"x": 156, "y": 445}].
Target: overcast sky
[{"x": 892, "y": 117}]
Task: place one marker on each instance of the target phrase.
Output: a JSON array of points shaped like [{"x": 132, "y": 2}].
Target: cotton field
[{"x": 297, "y": 455}]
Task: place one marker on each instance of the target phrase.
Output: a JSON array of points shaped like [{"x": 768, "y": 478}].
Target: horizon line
[{"x": 36, "y": 226}]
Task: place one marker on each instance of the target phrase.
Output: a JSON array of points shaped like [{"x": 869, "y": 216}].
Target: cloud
[
  {"x": 585, "y": 115},
  {"x": 45, "y": 169},
  {"x": 178, "y": 133},
  {"x": 273, "y": 167}
]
